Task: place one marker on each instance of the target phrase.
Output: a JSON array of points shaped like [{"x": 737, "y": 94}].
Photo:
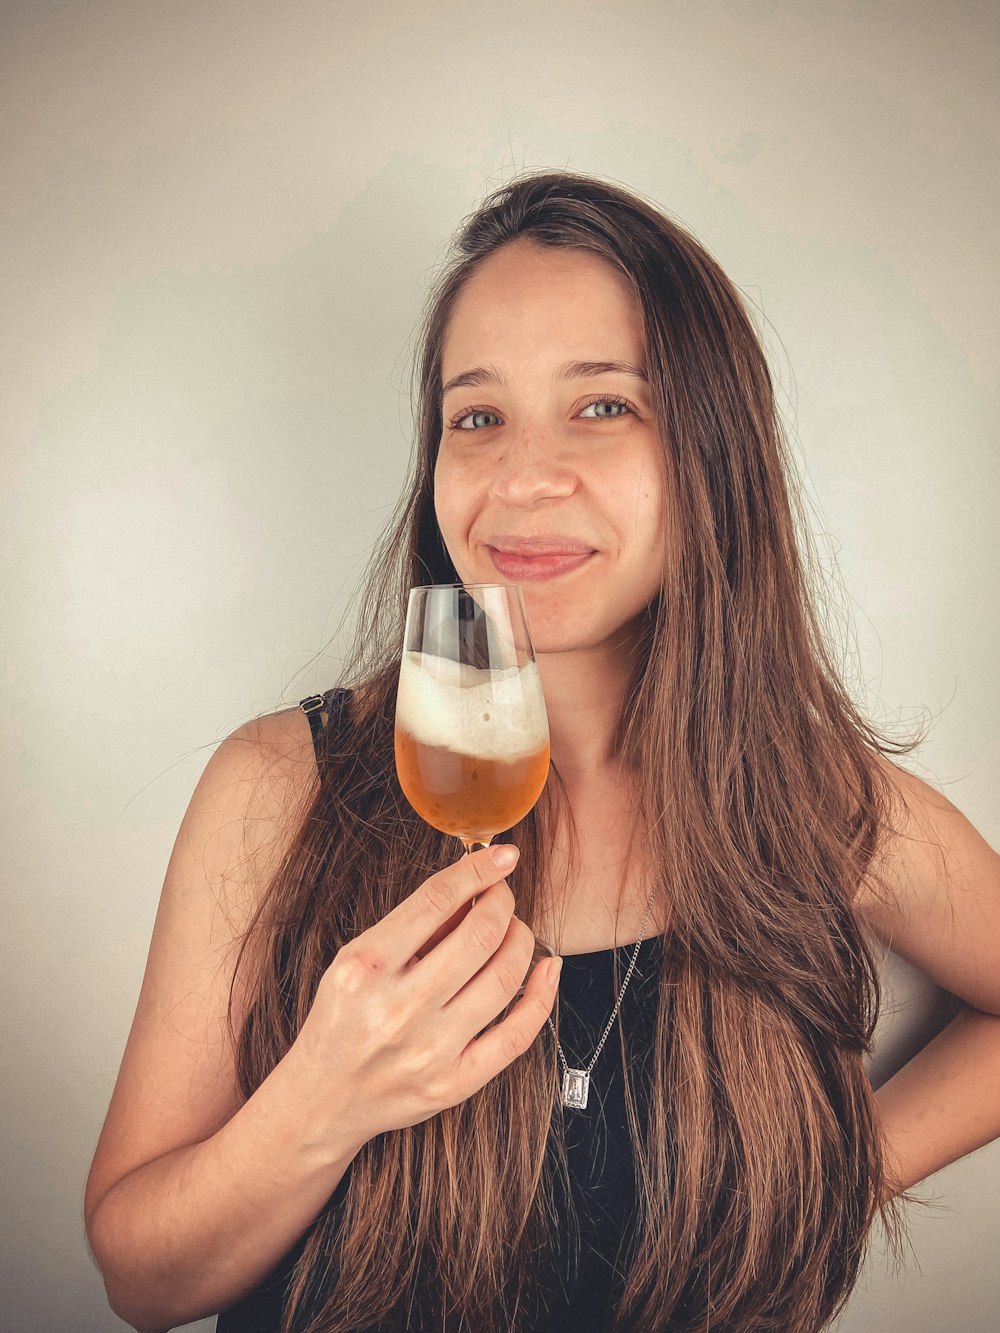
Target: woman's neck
[
  {"x": 583, "y": 696},
  {"x": 601, "y": 898}
]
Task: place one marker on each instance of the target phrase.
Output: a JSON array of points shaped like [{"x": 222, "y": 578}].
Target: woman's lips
[{"x": 523, "y": 568}]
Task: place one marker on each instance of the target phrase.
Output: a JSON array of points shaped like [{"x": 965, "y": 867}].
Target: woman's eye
[
  {"x": 606, "y": 407},
  {"x": 475, "y": 421}
]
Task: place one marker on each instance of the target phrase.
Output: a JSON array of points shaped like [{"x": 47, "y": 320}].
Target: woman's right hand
[{"x": 394, "y": 1022}]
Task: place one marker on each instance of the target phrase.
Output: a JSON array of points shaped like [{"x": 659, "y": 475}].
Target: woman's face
[{"x": 549, "y": 472}]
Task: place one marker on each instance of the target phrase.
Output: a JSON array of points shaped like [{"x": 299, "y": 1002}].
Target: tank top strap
[{"x": 325, "y": 713}]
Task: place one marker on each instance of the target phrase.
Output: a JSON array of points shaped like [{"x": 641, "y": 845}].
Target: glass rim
[{"x": 430, "y": 587}]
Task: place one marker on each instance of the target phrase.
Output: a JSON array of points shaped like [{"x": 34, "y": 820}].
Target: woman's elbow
[{"x": 132, "y": 1307}]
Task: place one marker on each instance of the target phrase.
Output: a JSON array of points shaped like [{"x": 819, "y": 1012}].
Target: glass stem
[{"x": 473, "y": 845}]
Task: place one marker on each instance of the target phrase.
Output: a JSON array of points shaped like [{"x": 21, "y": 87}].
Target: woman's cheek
[{"x": 459, "y": 492}]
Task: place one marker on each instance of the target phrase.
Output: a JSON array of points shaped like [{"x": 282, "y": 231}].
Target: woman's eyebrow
[
  {"x": 575, "y": 370},
  {"x": 570, "y": 370},
  {"x": 474, "y": 379}
]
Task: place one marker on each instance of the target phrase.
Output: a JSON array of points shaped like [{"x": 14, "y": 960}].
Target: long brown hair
[{"x": 759, "y": 1165}]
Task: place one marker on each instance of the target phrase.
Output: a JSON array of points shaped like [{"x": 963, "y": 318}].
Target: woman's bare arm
[
  {"x": 943, "y": 916},
  {"x": 945, "y": 1102},
  {"x": 193, "y": 1197}
]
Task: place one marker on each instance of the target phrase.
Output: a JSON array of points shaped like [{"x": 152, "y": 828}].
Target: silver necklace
[{"x": 576, "y": 1082}]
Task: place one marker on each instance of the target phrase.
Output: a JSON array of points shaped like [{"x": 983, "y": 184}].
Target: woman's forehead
[{"x": 527, "y": 299}]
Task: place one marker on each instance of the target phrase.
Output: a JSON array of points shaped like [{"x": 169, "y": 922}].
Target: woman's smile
[{"x": 536, "y": 558}]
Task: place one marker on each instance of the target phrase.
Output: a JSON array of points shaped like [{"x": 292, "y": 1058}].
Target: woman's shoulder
[
  {"x": 939, "y": 900},
  {"x": 921, "y": 823},
  {"x": 261, "y": 778},
  {"x": 283, "y": 745},
  {"x": 265, "y": 761},
  {"x": 909, "y": 835},
  {"x": 283, "y": 737},
  {"x": 271, "y": 763}
]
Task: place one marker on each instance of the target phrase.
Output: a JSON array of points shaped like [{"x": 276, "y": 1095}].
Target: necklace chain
[{"x": 576, "y": 1082}]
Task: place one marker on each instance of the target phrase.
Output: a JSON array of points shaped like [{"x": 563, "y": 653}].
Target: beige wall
[{"x": 219, "y": 224}]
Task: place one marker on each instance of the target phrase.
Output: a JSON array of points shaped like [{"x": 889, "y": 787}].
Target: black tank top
[{"x": 575, "y": 1295}]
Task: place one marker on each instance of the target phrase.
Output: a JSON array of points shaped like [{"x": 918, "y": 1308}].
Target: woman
[{"x": 331, "y": 1102}]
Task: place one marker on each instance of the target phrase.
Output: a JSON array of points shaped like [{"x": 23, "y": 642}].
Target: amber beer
[{"x": 471, "y": 797}]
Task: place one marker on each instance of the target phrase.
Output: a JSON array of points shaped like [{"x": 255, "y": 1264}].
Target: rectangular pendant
[{"x": 576, "y": 1088}]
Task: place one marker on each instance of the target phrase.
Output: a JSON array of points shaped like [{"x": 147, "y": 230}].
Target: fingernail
[
  {"x": 505, "y": 856},
  {"x": 552, "y": 969}
]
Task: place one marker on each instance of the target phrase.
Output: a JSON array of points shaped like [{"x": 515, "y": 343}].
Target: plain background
[{"x": 220, "y": 222}]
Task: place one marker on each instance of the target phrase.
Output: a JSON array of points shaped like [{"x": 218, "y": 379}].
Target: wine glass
[{"x": 472, "y": 736}]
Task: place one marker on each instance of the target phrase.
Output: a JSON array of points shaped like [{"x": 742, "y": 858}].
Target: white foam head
[{"x": 491, "y": 714}]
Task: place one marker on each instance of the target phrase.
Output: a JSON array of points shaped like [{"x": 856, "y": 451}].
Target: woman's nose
[{"x": 532, "y": 468}]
